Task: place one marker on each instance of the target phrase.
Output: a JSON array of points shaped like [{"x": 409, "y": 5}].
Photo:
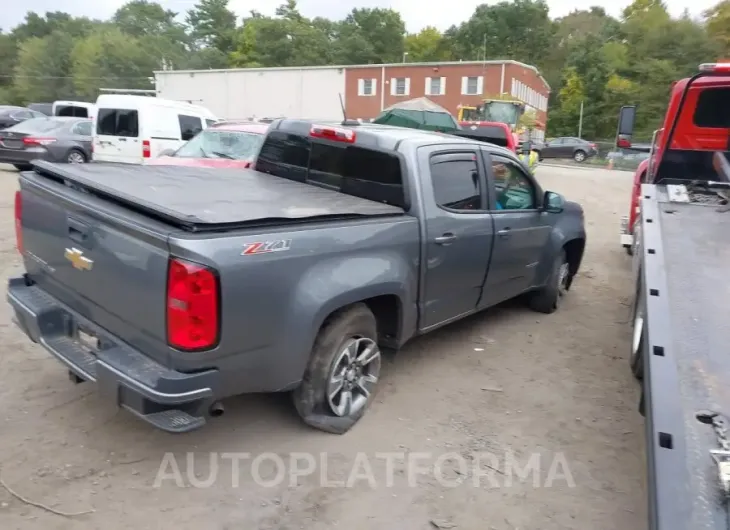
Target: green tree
[
  {"x": 213, "y": 24},
  {"x": 142, "y": 18},
  {"x": 718, "y": 26},
  {"x": 428, "y": 45},
  {"x": 43, "y": 69},
  {"x": 383, "y": 29}
]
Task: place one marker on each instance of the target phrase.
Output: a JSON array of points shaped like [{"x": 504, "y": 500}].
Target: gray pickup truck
[{"x": 173, "y": 288}]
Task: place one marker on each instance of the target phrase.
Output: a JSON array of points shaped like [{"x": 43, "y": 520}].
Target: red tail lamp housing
[{"x": 193, "y": 306}]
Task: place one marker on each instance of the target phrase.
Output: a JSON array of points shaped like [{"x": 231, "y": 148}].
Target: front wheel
[
  {"x": 343, "y": 371},
  {"x": 579, "y": 156},
  {"x": 547, "y": 299},
  {"x": 75, "y": 157}
]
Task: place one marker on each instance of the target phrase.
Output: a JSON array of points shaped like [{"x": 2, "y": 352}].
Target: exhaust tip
[{"x": 216, "y": 409}]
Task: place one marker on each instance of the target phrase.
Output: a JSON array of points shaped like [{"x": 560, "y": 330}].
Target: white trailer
[{"x": 311, "y": 92}]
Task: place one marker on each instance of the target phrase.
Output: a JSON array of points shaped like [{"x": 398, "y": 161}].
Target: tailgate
[{"x": 102, "y": 262}]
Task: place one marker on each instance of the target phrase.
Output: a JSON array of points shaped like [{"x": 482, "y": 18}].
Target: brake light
[
  {"x": 715, "y": 68},
  {"x": 336, "y": 134},
  {"x": 18, "y": 221},
  {"x": 146, "y": 149},
  {"x": 622, "y": 142},
  {"x": 31, "y": 140},
  {"x": 192, "y": 306}
]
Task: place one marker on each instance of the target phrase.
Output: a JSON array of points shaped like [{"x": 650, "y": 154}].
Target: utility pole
[{"x": 580, "y": 121}]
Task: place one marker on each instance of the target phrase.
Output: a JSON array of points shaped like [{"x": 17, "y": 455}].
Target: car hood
[{"x": 199, "y": 162}]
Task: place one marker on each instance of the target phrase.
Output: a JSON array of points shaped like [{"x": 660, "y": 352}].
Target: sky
[{"x": 439, "y": 13}]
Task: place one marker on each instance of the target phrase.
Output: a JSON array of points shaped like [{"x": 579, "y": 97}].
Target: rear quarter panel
[{"x": 272, "y": 305}]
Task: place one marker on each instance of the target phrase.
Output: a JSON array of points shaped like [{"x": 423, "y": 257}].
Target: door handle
[
  {"x": 445, "y": 239},
  {"x": 504, "y": 233},
  {"x": 78, "y": 231}
]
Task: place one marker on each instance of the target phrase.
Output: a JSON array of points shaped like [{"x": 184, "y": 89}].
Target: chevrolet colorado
[{"x": 172, "y": 288}]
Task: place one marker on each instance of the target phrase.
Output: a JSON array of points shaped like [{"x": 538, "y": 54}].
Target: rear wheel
[
  {"x": 638, "y": 340},
  {"x": 579, "y": 156},
  {"x": 75, "y": 157},
  {"x": 343, "y": 371},
  {"x": 547, "y": 299}
]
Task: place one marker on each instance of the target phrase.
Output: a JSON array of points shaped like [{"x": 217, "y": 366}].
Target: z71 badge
[{"x": 265, "y": 247}]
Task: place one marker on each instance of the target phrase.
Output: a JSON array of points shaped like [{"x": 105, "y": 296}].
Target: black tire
[
  {"x": 23, "y": 167},
  {"x": 310, "y": 398},
  {"x": 547, "y": 298},
  {"x": 579, "y": 156},
  {"x": 638, "y": 336},
  {"x": 76, "y": 156}
]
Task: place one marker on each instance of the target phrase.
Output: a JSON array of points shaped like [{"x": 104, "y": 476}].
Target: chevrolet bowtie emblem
[{"x": 78, "y": 260}]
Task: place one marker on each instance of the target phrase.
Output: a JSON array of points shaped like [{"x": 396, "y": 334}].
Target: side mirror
[
  {"x": 553, "y": 202},
  {"x": 626, "y": 119}
]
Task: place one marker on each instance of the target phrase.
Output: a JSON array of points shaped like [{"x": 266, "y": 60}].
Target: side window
[
  {"x": 83, "y": 128},
  {"x": 117, "y": 122},
  {"x": 22, "y": 115},
  {"x": 513, "y": 189},
  {"x": 189, "y": 126},
  {"x": 455, "y": 179}
]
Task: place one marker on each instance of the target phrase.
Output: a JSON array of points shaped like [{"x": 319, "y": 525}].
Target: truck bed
[
  {"x": 198, "y": 198},
  {"x": 686, "y": 252}
]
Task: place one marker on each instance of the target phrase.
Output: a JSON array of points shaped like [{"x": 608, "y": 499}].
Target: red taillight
[
  {"x": 18, "y": 221},
  {"x": 336, "y": 134},
  {"x": 593, "y": 146},
  {"x": 192, "y": 306},
  {"x": 32, "y": 140},
  {"x": 622, "y": 142},
  {"x": 146, "y": 149}
]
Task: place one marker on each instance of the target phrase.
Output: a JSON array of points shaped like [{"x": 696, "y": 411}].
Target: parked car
[
  {"x": 11, "y": 115},
  {"x": 568, "y": 147},
  {"x": 55, "y": 139},
  {"x": 172, "y": 288},
  {"x": 43, "y": 108},
  {"x": 134, "y": 129},
  {"x": 224, "y": 145}
]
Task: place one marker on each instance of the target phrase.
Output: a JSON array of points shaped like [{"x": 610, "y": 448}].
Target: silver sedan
[{"x": 56, "y": 139}]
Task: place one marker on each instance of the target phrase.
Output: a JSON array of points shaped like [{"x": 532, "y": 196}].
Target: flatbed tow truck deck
[{"x": 685, "y": 254}]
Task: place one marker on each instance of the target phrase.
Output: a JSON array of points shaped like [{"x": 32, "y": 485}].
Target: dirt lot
[{"x": 554, "y": 387}]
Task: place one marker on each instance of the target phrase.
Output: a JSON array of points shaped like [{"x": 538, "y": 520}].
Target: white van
[
  {"x": 75, "y": 109},
  {"x": 132, "y": 129}
]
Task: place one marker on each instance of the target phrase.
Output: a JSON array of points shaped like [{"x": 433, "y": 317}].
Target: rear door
[
  {"x": 459, "y": 232},
  {"x": 117, "y": 136},
  {"x": 522, "y": 230}
]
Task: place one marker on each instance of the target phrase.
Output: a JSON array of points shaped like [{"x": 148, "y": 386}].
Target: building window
[
  {"x": 472, "y": 86},
  {"x": 400, "y": 86},
  {"x": 367, "y": 87},
  {"x": 435, "y": 86}
]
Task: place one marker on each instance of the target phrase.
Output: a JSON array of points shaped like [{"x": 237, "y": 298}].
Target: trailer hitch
[{"x": 721, "y": 456}]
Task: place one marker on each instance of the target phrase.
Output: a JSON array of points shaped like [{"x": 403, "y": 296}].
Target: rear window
[
  {"x": 713, "y": 108},
  {"x": 350, "y": 169},
  {"x": 117, "y": 122},
  {"x": 38, "y": 125},
  {"x": 73, "y": 111}
]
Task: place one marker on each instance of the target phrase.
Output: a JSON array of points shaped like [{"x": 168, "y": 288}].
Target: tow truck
[{"x": 679, "y": 351}]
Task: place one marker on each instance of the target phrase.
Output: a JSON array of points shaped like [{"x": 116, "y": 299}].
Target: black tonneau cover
[{"x": 192, "y": 196}]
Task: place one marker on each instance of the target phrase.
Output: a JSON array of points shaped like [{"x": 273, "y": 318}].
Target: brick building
[
  {"x": 371, "y": 88},
  {"x": 315, "y": 92}
]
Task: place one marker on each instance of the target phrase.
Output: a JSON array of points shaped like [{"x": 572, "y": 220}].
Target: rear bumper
[
  {"x": 170, "y": 400},
  {"x": 22, "y": 156},
  {"x": 627, "y": 238}
]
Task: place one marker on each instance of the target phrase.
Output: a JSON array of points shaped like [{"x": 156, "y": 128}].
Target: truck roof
[
  {"x": 375, "y": 135},
  {"x": 196, "y": 198}
]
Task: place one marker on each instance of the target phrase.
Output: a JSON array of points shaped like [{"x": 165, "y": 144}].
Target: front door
[
  {"x": 459, "y": 232},
  {"x": 522, "y": 230}
]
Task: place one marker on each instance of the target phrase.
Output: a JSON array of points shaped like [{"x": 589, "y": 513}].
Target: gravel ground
[{"x": 472, "y": 406}]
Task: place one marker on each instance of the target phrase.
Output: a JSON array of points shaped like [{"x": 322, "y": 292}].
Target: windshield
[
  {"x": 502, "y": 112},
  {"x": 37, "y": 125},
  {"x": 211, "y": 143}
]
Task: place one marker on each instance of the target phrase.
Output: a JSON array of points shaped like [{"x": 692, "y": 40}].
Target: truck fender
[
  {"x": 572, "y": 239},
  {"x": 338, "y": 282}
]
